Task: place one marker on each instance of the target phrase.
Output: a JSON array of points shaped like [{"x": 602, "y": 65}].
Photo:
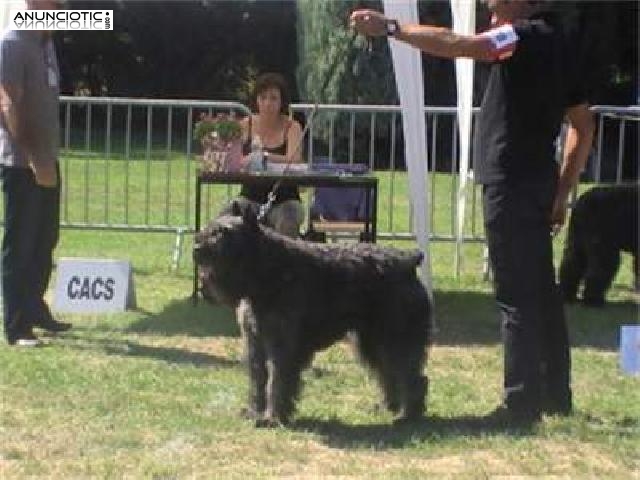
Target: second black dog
[
  {"x": 604, "y": 222},
  {"x": 298, "y": 298}
]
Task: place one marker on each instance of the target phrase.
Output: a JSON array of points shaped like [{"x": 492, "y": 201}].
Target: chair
[{"x": 336, "y": 211}]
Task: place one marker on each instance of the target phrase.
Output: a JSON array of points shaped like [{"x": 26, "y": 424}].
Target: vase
[{"x": 221, "y": 155}]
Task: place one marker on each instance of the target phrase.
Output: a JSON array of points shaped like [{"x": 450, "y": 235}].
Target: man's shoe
[
  {"x": 53, "y": 326},
  {"x": 26, "y": 340},
  {"x": 563, "y": 409},
  {"x": 558, "y": 401},
  {"x": 505, "y": 417}
]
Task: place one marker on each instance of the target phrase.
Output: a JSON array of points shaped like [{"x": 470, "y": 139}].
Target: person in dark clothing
[
  {"x": 278, "y": 137},
  {"x": 29, "y": 135},
  {"x": 533, "y": 85}
]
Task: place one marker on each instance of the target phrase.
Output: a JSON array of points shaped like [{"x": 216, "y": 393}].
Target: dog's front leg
[
  {"x": 256, "y": 359},
  {"x": 282, "y": 388}
]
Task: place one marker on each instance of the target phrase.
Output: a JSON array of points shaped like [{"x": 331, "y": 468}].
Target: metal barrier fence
[
  {"x": 625, "y": 143},
  {"x": 129, "y": 164}
]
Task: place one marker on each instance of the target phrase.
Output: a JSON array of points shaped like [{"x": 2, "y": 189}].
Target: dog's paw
[
  {"x": 249, "y": 413},
  {"x": 269, "y": 422},
  {"x": 408, "y": 418}
]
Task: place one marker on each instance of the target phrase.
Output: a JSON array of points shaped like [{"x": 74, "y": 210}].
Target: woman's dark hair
[{"x": 267, "y": 81}]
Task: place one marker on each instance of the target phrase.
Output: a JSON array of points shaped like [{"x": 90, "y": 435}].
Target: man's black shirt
[{"x": 523, "y": 106}]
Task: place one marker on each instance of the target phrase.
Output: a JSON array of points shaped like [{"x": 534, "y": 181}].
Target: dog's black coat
[
  {"x": 297, "y": 298},
  {"x": 604, "y": 222}
]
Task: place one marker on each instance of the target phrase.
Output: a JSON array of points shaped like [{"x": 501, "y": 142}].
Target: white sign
[
  {"x": 93, "y": 286},
  {"x": 630, "y": 349}
]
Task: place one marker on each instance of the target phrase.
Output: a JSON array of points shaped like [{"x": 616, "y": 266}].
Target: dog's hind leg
[
  {"x": 572, "y": 269},
  {"x": 602, "y": 266},
  {"x": 414, "y": 392},
  {"x": 374, "y": 356},
  {"x": 402, "y": 382}
]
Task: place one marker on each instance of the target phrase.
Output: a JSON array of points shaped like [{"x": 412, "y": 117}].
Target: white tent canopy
[
  {"x": 464, "y": 22},
  {"x": 407, "y": 62}
]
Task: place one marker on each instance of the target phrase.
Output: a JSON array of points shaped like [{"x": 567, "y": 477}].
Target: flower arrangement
[
  {"x": 221, "y": 140},
  {"x": 226, "y": 127}
]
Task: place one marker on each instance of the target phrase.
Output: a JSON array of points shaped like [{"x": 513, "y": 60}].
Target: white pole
[
  {"x": 464, "y": 22},
  {"x": 407, "y": 64}
]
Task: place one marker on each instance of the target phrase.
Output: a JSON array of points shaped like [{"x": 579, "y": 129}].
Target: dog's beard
[{"x": 210, "y": 288}]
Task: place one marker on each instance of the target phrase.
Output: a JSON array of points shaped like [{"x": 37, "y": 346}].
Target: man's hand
[
  {"x": 45, "y": 174},
  {"x": 369, "y": 22},
  {"x": 558, "y": 212}
]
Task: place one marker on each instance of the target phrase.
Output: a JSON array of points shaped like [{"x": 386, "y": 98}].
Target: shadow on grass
[
  {"x": 128, "y": 348},
  {"x": 338, "y": 434},
  {"x": 471, "y": 318},
  {"x": 600, "y": 327},
  {"x": 462, "y": 317},
  {"x": 175, "y": 356},
  {"x": 182, "y": 317},
  {"x": 465, "y": 318}
]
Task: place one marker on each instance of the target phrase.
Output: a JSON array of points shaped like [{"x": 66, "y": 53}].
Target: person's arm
[
  {"x": 437, "y": 41},
  {"x": 10, "y": 97},
  {"x": 577, "y": 146},
  {"x": 12, "y": 92},
  {"x": 294, "y": 149}
]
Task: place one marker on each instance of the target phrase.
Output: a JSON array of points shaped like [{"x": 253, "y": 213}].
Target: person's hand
[
  {"x": 45, "y": 174},
  {"x": 558, "y": 213},
  {"x": 369, "y": 22}
]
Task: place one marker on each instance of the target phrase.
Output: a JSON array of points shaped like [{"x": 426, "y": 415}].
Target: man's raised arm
[{"x": 437, "y": 41}]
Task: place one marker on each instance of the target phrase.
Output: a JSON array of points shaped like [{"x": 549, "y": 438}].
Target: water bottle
[{"x": 257, "y": 162}]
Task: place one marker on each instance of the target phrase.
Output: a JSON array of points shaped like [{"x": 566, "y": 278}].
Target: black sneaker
[
  {"x": 25, "y": 340},
  {"x": 53, "y": 326},
  {"x": 563, "y": 409},
  {"x": 505, "y": 417}
]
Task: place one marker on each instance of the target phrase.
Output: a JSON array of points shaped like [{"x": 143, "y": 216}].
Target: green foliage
[
  {"x": 323, "y": 38},
  {"x": 225, "y": 128},
  {"x": 363, "y": 72},
  {"x": 178, "y": 49}
]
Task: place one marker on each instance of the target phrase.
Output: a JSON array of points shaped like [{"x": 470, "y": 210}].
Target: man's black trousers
[
  {"x": 31, "y": 229},
  {"x": 536, "y": 347}
]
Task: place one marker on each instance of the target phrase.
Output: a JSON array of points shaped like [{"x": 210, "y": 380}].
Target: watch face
[{"x": 392, "y": 27}]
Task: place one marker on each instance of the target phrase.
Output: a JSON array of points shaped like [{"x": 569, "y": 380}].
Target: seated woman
[{"x": 279, "y": 137}]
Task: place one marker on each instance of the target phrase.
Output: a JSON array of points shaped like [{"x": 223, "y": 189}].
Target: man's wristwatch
[{"x": 392, "y": 27}]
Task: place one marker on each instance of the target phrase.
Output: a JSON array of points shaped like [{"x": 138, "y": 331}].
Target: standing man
[
  {"x": 29, "y": 137},
  {"x": 533, "y": 84}
]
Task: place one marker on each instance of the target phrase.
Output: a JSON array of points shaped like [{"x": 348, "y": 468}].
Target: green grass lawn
[{"x": 155, "y": 392}]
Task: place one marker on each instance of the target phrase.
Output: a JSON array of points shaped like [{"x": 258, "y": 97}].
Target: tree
[
  {"x": 178, "y": 49},
  {"x": 323, "y": 39}
]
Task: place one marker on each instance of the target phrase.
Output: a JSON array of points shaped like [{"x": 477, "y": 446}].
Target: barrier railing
[{"x": 129, "y": 164}]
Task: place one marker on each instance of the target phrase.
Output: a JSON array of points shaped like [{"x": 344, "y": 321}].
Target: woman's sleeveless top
[{"x": 259, "y": 193}]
